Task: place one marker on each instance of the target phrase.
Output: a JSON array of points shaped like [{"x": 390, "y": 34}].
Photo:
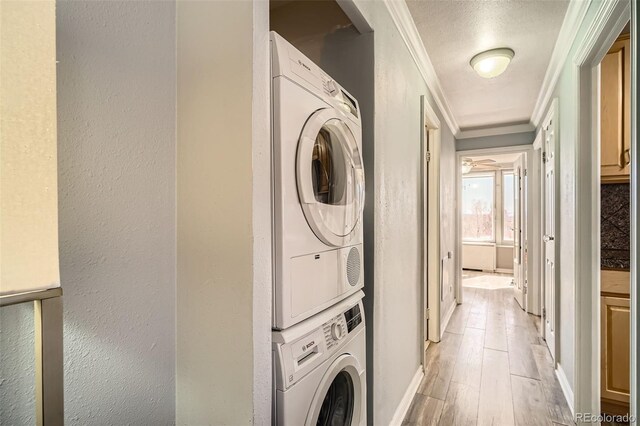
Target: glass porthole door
[
  {"x": 338, "y": 400},
  {"x": 330, "y": 177}
]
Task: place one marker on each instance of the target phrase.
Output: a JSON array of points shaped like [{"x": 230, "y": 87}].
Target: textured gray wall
[
  {"x": 498, "y": 141},
  {"x": 17, "y": 365},
  {"x": 116, "y": 138}
]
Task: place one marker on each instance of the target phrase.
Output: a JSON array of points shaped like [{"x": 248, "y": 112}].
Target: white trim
[
  {"x": 538, "y": 207},
  {"x": 495, "y": 131},
  {"x": 552, "y": 116},
  {"x": 407, "y": 27},
  {"x": 566, "y": 388},
  {"x": 354, "y": 14},
  {"x": 635, "y": 260},
  {"x": 568, "y": 32},
  {"x": 431, "y": 221},
  {"x": 592, "y": 44},
  {"x": 405, "y": 402},
  {"x": 494, "y": 151},
  {"x": 447, "y": 317},
  {"x": 610, "y": 18},
  {"x": 537, "y": 142},
  {"x": 261, "y": 216}
]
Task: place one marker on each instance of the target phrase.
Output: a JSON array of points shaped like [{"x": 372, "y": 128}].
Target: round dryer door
[
  {"x": 338, "y": 400},
  {"x": 330, "y": 177}
]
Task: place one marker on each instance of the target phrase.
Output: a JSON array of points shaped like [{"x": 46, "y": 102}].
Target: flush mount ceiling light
[{"x": 492, "y": 63}]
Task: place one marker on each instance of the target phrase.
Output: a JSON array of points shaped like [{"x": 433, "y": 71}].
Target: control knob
[
  {"x": 332, "y": 87},
  {"x": 336, "y": 331}
]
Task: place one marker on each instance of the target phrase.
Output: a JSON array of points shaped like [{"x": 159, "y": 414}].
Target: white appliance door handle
[{"x": 305, "y": 179}]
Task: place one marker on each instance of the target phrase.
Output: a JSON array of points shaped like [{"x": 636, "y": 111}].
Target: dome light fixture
[{"x": 493, "y": 62}]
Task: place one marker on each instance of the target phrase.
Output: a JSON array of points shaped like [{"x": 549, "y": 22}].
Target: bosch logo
[
  {"x": 304, "y": 65},
  {"x": 308, "y": 345}
]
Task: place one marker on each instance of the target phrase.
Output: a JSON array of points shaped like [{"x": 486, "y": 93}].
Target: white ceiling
[{"x": 453, "y": 31}]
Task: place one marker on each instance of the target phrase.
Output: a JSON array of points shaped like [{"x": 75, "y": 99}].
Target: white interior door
[
  {"x": 425, "y": 232},
  {"x": 549, "y": 245},
  {"x": 518, "y": 226}
]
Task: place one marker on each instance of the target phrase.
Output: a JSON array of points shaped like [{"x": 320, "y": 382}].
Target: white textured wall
[
  {"x": 17, "y": 365},
  {"x": 448, "y": 220},
  {"x": 116, "y": 135}
]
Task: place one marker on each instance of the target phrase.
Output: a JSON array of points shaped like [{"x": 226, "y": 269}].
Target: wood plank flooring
[{"x": 490, "y": 368}]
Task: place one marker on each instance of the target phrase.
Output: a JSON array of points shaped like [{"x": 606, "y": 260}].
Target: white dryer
[
  {"x": 319, "y": 369},
  {"x": 318, "y": 188}
]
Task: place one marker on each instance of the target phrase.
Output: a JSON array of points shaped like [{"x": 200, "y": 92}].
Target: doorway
[
  {"x": 431, "y": 270},
  {"x": 603, "y": 310},
  {"x": 495, "y": 195}
]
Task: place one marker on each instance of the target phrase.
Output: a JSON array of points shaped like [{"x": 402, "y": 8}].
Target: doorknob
[{"x": 547, "y": 238}]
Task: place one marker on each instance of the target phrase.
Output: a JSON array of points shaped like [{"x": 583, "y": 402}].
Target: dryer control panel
[{"x": 290, "y": 62}]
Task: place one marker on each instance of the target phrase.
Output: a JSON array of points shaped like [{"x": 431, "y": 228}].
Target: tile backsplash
[{"x": 615, "y": 226}]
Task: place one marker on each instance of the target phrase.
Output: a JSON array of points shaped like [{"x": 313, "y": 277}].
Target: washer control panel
[
  {"x": 341, "y": 325},
  {"x": 301, "y": 348},
  {"x": 334, "y": 330}
]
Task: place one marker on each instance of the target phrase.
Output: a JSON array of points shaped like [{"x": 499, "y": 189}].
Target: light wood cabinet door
[
  {"x": 615, "y": 112},
  {"x": 615, "y": 348}
]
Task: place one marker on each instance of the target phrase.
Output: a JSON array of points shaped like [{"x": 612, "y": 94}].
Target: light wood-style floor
[{"x": 490, "y": 368}]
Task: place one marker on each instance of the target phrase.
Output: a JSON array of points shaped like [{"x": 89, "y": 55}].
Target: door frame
[
  {"x": 610, "y": 19},
  {"x": 430, "y": 219},
  {"x": 539, "y": 144},
  {"x": 533, "y": 203},
  {"x": 635, "y": 259},
  {"x": 538, "y": 224}
]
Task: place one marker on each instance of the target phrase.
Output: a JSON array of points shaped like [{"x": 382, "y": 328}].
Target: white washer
[
  {"x": 318, "y": 188},
  {"x": 319, "y": 369}
]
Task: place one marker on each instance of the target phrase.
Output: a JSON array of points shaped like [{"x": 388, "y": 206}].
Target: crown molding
[
  {"x": 570, "y": 25},
  {"x": 599, "y": 28},
  {"x": 506, "y": 129},
  {"x": 407, "y": 27}
]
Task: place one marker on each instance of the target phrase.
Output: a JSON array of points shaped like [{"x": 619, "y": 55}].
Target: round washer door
[
  {"x": 330, "y": 177},
  {"x": 338, "y": 400}
]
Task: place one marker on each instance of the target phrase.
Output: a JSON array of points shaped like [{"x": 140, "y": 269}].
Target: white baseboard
[
  {"x": 566, "y": 388},
  {"x": 447, "y": 317},
  {"x": 405, "y": 402}
]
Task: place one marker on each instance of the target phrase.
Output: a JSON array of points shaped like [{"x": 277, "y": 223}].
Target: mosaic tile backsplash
[{"x": 615, "y": 226}]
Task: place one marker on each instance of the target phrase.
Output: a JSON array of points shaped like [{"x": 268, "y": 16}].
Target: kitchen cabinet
[
  {"x": 615, "y": 344},
  {"x": 615, "y": 112}
]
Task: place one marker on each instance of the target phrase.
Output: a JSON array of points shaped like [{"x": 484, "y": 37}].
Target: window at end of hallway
[
  {"x": 507, "y": 206},
  {"x": 478, "y": 208}
]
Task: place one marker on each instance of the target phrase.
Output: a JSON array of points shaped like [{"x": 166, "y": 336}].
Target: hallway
[{"x": 491, "y": 367}]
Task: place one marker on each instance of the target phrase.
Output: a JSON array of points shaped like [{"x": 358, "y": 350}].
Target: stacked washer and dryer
[{"x": 318, "y": 198}]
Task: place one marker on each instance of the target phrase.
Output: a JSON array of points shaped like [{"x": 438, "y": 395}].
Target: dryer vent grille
[{"x": 353, "y": 266}]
